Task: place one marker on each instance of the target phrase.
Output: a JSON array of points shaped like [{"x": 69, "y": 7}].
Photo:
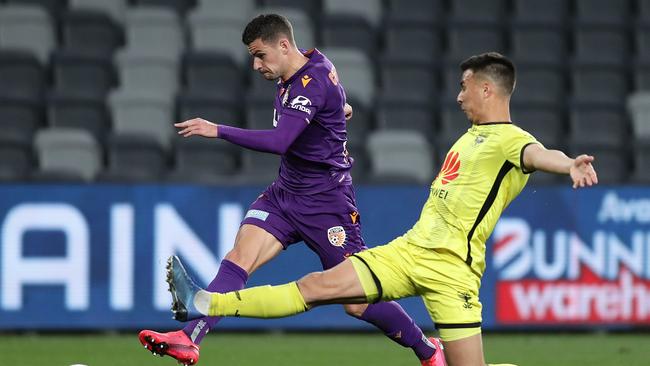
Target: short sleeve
[
  {"x": 305, "y": 98},
  {"x": 515, "y": 141}
]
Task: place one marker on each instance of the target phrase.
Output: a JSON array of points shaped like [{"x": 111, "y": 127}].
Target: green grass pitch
[{"x": 309, "y": 349}]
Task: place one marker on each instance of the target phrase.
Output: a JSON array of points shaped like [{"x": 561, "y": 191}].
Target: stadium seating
[
  {"x": 27, "y": 27},
  {"x": 638, "y": 105},
  {"x": 205, "y": 161},
  {"x": 82, "y": 74},
  {"x": 134, "y": 159},
  {"x": 400, "y": 156},
  {"x": 114, "y": 8},
  {"x": 100, "y": 68},
  {"x": 69, "y": 152},
  {"x": 80, "y": 112},
  {"x": 91, "y": 32},
  {"x": 21, "y": 74}
]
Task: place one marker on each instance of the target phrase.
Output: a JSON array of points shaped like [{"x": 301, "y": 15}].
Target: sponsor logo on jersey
[
  {"x": 354, "y": 216},
  {"x": 336, "y": 235},
  {"x": 300, "y": 103},
  {"x": 257, "y": 214},
  {"x": 305, "y": 80},
  {"x": 450, "y": 168}
]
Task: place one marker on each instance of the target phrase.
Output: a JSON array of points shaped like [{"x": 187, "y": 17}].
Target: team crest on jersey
[
  {"x": 305, "y": 80},
  {"x": 479, "y": 140},
  {"x": 336, "y": 235}
]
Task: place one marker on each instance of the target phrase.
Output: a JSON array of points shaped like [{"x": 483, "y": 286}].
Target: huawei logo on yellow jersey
[
  {"x": 305, "y": 80},
  {"x": 450, "y": 168}
]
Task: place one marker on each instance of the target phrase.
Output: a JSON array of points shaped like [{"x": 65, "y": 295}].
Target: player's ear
[{"x": 285, "y": 45}]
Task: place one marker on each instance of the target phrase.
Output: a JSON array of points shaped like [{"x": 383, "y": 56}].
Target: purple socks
[
  {"x": 399, "y": 327},
  {"x": 230, "y": 277}
]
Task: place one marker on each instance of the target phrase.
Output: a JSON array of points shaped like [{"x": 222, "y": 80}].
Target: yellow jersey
[{"x": 482, "y": 173}]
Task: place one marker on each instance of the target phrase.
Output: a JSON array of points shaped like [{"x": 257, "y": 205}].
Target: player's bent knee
[{"x": 355, "y": 310}]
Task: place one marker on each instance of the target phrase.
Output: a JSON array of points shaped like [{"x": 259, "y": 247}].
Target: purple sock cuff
[{"x": 231, "y": 277}]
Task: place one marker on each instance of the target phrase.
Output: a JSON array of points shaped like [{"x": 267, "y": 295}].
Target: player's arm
[
  {"x": 276, "y": 141},
  {"x": 536, "y": 157}
]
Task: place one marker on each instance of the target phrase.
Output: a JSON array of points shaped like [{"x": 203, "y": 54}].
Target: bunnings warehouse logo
[{"x": 557, "y": 277}]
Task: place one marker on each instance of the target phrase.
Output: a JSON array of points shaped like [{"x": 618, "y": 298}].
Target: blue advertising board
[{"x": 93, "y": 256}]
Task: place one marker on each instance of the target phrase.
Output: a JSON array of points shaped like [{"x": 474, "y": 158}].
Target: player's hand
[
  {"x": 347, "y": 109},
  {"x": 197, "y": 126},
  {"x": 582, "y": 172}
]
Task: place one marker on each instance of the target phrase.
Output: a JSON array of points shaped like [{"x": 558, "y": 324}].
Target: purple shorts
[{"x": 328, "y": 222}]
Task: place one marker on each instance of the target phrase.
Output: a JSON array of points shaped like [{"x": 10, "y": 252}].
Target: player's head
[
  {"x": 487, "y": 79},
  {"x": 269, "y": 38}
]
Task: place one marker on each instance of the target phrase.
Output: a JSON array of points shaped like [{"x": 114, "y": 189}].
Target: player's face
[
  {"x": 269, "y": 58},
  {"x": 470, "y": 97}
]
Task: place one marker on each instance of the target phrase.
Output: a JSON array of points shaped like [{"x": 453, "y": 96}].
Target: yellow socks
[{"x": 259, "y": 302}]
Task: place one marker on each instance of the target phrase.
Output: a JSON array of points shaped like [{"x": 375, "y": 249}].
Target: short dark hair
[
  {"x": 494, "y": 65},
  {"x": 267, "y": 27}
]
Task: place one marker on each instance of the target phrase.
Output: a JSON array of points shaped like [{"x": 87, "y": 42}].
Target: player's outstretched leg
[{"x": 183, "y": 291}]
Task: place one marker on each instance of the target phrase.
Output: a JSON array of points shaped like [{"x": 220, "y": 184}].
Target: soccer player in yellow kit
[{"x": 442, "y": 258}]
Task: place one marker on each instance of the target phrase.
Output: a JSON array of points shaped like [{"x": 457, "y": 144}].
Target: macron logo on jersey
[
  {"x": 300, "y": 103},
  {"x": 450, "y": 168}
]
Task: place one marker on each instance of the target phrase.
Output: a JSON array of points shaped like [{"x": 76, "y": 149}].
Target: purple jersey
[{"x": 317, "y": 160}]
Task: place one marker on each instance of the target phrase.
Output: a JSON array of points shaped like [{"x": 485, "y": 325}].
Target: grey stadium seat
[
  {"x": 453, "y": 124},
  {"x": 214, "y": 74},
  {"x": 218, "y": 110},
  {"x": 203, "y": 160},
  {"x": 467, "y": 39},
  {"x": 258, "y": 168},
  {"x": 54, "y": 7},
  {"x": 361, "y": 124},
  {"x": 371, "y": 10},
  {"x": 81, "y": 112},
  {"x": 27, "y": 27},
  {"x": 214, "y": 33},
  {"x": 142, "y": 114},
  {"x": 115, "y": 8},
  {"x": 612, "y": 165},
  {"x": 349, "y": 31},
  {"x": 416, "y": 11},
  {"x": 601, "y": 45},
  {"x": 82, "y": 74},
  {"x": 642, "y": 163},
  {"x": 413, "y": 116},
  {"x": 539, "y": 84},
  {"x": 638, "y": 106},
  {"x": 478, "y": 11},
  {"x": 91, "y": 32},
  {"x": 545, "y": 122},
  {"x": 589, "y": 81},
  {"x": 355, "y": 72},
  {"x": 146, "y": 26},
  {"x": 409, "y": 81},
  {"x": 240, "y": 10},
  {"x": 312, "y": 8},
  {"x": 134, "y": 159},
  {"x": 402, "y": 37},
  {"x": 599, "y": 125},
  {"x": 21, "y": 74},
  {"x": 147, "y": 73},
  {"x": 603, "y": 11},
  {"x": 15, "y": 159},
  {"x": 551, "y": 12},
  {"x": 67, "y": 150},
  {"x": 538, "y": 44},
  {"x": 178, "y": 6},
  {"x": 20, "y": 117},
  {"x": 401, "y": 154}
]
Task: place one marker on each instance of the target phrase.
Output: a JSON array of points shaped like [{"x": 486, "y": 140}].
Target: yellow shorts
[{"x": 446, "y": 284}]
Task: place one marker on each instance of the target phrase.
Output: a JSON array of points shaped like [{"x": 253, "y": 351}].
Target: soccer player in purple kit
[{"x": 312, "y": 200}]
